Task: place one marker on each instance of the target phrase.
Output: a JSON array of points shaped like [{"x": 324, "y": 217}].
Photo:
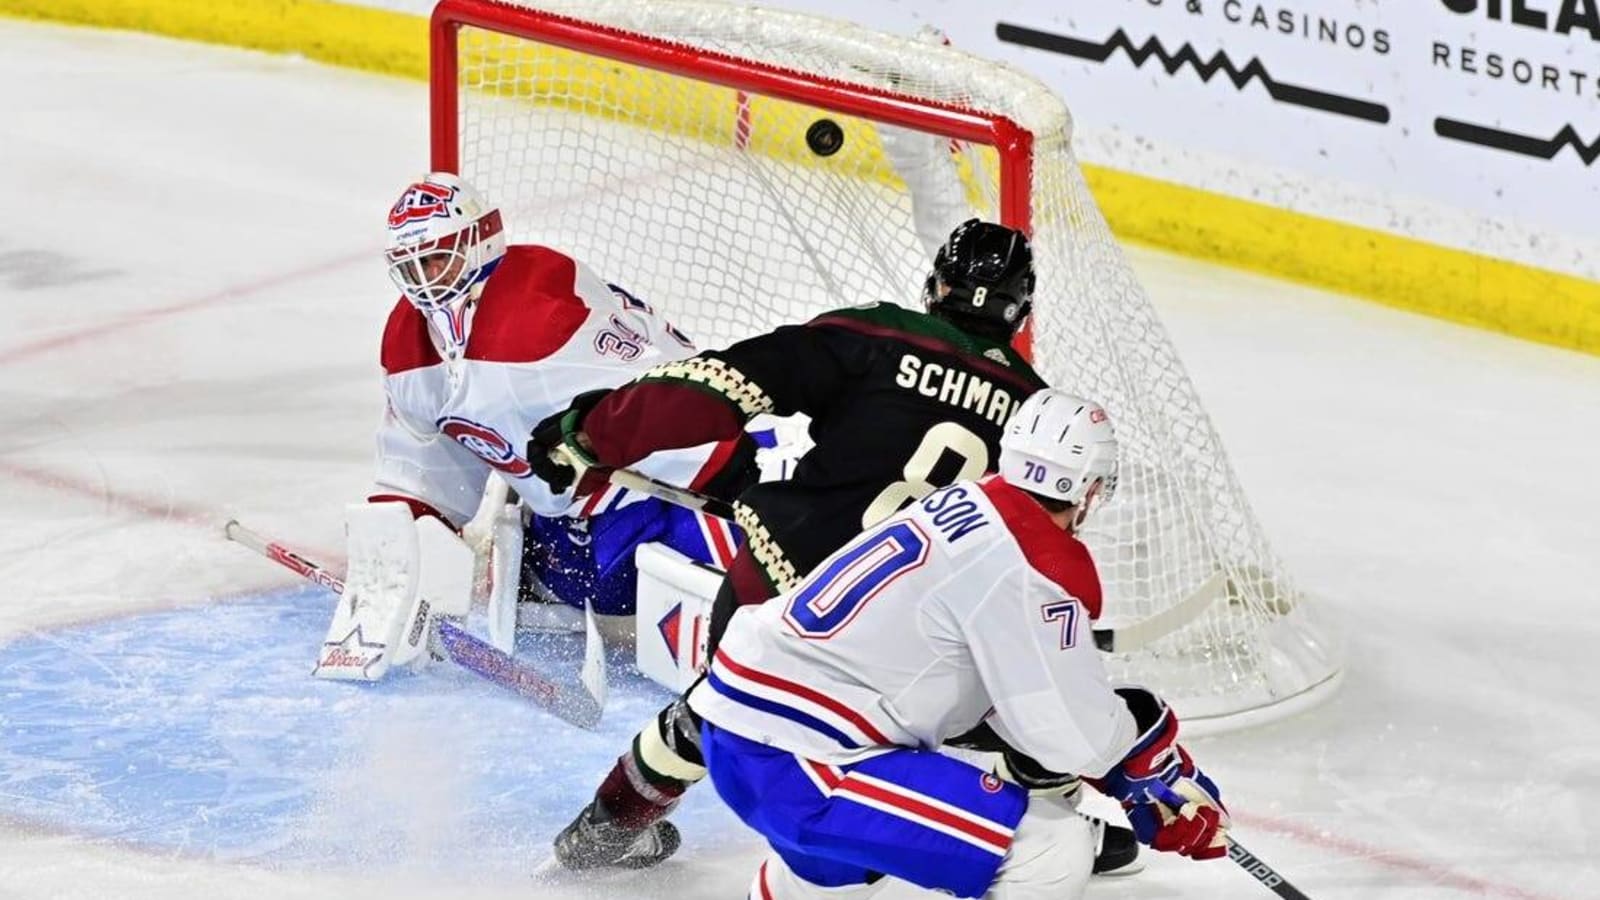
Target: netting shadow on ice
[{"x": 706, "y": 200}]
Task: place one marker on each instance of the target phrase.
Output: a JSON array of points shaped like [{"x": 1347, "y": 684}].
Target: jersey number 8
[{"x": 945, "y": 437}]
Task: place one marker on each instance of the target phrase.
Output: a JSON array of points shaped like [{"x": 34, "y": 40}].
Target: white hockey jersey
[
  {"x": 971, "y": 604},
  {"x": 544, "y": 329}
]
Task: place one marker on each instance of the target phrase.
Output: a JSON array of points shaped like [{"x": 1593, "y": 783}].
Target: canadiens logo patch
[
  {"x": 991, "y": 783},
  {"x": 668, "y": 628},
  {"x": 420, "y": 202},
  {"x": 487, "y": 444}
]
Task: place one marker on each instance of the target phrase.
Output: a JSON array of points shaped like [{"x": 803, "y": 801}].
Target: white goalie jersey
[
  {"x": 971, "y": 605},
  {"x": 545, "y": 329}
]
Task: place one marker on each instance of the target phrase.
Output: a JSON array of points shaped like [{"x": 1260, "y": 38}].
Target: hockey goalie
[{"x": 486, "y": 340}]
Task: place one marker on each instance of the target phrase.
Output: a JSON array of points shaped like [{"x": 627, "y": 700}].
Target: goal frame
[
  {"x": 1260, "y": 657},
  {"x": 1011, "y": 142}
]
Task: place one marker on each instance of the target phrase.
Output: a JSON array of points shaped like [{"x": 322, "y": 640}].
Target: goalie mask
[
  {"x": 983, "y": 275},
  {"x": 1059, "y": 445},
  {"x": 444, "y": 240}
]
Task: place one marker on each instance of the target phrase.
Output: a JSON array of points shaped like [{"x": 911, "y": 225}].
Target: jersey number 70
[{"x": 831, "y": 597}]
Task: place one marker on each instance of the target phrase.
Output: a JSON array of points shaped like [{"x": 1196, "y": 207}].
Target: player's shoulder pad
[
  {"x": 882, "y": 315},
  {"x": 933, "y": 334},
  {"x": 406, "y": 344},
  {"x": 1050, "y": 551},
  {"x": 529, "y": 308}
]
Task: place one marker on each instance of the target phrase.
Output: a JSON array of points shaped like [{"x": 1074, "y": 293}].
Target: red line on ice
[
  {"x": 169, "y": 509},
  {"x": 148, "y": 507},
  {"x": 1434, "y": 872},
  {"x": 145, "y": 316}
]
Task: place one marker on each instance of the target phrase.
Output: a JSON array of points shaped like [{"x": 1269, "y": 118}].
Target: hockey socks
[{"x": 648, "y": 780}]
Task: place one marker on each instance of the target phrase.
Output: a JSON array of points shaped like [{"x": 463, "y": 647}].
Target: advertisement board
[
  {"x": 1472, "y": 123},
  {"x": 1441, "y": 156}
]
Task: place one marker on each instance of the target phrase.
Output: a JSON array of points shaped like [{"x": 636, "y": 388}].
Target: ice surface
[{"x": 193, "y": 297}]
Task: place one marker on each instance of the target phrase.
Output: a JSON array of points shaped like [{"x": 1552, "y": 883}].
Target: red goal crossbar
[{"x": 1013, "y": 143}]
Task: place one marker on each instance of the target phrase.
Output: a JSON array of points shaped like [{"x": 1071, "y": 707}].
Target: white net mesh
[{"x": 708, "y": 202}]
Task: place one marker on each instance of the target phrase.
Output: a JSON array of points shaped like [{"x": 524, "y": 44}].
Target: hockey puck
[{"x": 824, "y": 137}]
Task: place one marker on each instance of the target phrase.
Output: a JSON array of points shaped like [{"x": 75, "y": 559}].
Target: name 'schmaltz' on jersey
[{"x": 955, "y": 387}]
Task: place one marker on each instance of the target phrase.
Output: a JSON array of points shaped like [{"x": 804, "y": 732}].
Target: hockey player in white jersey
[
  {"x": 823, "y": 706},
  {"x": 486, "y": 340}
]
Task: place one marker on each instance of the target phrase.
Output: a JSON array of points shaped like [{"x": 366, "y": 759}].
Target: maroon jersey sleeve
[{"x": 710, "y": 397}]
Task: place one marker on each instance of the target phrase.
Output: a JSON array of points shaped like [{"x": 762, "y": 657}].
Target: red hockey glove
[{"x": 1171, "y": 804}]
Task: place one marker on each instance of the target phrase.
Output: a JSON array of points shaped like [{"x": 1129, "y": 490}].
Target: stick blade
[
  {"x": 520, "y": 678},
  {"x": 593, "y": 674}
]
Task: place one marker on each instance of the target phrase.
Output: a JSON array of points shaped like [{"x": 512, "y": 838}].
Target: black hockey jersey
[{"x": 900, "y": 403}]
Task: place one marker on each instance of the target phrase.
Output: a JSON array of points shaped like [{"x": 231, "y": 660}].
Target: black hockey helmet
[{"x": 982, "y": 279}]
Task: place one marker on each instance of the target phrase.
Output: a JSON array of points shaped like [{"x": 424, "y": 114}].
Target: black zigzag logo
[
  {"x": 1512, "y": 142},
  {"x": 1207, "y": 69}
]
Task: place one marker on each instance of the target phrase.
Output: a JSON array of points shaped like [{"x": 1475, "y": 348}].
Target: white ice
[{"x": 192, "y": 295}]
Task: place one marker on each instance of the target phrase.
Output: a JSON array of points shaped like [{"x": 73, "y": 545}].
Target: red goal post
[{"x": 661, "y": 143}]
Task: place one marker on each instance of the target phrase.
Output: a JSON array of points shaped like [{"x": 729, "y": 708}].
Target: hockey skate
[
  {"x": 1116, "y": 851},
  {"x": 593, "y": 841}
]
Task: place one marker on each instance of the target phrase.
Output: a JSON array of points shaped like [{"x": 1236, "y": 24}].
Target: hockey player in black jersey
[{"x": 901, "y": 403}]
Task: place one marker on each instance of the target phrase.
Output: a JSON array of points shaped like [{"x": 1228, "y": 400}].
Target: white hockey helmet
[
  {"x": 443, "y": 240},
  {"x": 1059, "y": 445}
]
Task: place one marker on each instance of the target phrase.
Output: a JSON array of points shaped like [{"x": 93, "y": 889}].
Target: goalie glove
[
  {"x": 1172, "y": 805},
  {"x": 557, "y": 453}
]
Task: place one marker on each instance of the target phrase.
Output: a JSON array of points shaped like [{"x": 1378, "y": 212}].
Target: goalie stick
[
  {"x": 495, "y": 537},
  {"x": 464, "y": 649},
  {"x": 1121, "y": 639}
]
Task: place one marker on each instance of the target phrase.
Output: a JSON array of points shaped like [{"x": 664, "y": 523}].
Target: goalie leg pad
[
  {"x": 444, "y": 579},
  {"x": 403, "y": 574},
  {"x": 505, "y": 573},
  {"x": 380, "y": 595},
  {"x": 674, "y": 603}
]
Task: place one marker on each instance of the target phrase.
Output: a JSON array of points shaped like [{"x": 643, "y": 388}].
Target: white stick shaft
[{"x": 1136, "y": 634}]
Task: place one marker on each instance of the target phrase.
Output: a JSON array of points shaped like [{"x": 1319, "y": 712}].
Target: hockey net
[{"x": 665, "y": 144}]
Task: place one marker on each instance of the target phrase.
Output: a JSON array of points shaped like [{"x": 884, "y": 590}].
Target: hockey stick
[
  {"x": 1262, "y": 872},
  {"x": 496, "y": 543},
  {"x": 464, "y": 649},
  {"x": 480, "y": 534},
  {"x": 695, "y": 501},
  {"x": 1122, "y": 639},
  {"x": 1134, "y": 635},
  {"x": 1246, "y": 860}
]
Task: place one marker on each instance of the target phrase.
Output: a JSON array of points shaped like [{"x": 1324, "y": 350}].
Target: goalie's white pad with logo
[
  {"x": 403, "y": 573},
  {"x": 674, "y": 612}
]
